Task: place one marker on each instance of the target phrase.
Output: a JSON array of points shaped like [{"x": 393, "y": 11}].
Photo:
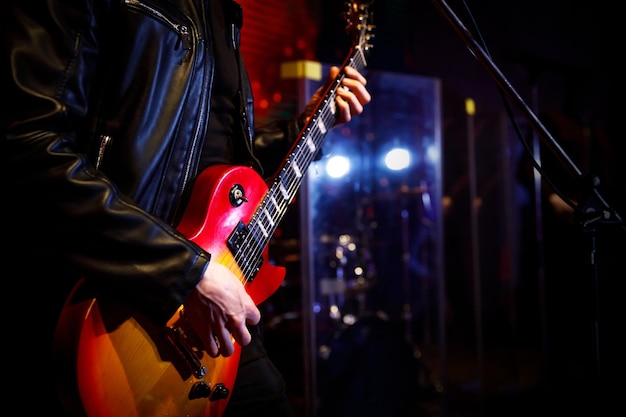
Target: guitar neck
[
  {"x": 307, "y": 145},
  {"x": 288, "y": 181}
]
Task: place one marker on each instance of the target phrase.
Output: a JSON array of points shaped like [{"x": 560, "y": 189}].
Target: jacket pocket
[{"x": 173, "y": 19}]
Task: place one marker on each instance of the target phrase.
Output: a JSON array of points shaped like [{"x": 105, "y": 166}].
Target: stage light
[
  {"x": 397, "y": 159},
  {"x": 337, "y": 166}
]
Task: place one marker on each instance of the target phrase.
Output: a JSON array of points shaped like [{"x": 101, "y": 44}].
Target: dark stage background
[{"x": 527, "y": 324}]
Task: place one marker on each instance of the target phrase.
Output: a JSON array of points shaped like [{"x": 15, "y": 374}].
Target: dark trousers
[{"x": 259, "y": 390}]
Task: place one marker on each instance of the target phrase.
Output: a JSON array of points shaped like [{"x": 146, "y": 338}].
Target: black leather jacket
[{"x": 108, "y": 101}]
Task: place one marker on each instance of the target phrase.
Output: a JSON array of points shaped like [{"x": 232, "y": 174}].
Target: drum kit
[
  {"x": 345, "y": 285},
  {"x": 340, "y": 296},
  {"x": 352, "y": 333}
]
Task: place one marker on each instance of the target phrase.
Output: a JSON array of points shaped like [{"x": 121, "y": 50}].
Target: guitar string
[
  {"x": 260, "y": 231},
  {"x": 265, "y": 228},
  {"x": 357, "y": 59},
  {"x": 276, "y": 203}
]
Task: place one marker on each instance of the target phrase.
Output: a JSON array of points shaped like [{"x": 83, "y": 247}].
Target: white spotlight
[
  {"x": 397, "y": 159},
  {"x": 337, "y": 166}
]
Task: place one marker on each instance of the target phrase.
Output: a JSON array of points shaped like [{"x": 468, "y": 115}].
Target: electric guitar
[{"x": 116, "y": 363}]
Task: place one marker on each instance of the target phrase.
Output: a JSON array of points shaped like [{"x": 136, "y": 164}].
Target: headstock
[{"x": 359, "y": 23}]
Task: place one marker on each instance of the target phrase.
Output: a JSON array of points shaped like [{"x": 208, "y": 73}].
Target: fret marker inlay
[
  {"x": 321, "y": 125},
  {"x": 284, "y": 192},
  {"x": 310, "y": 144}
]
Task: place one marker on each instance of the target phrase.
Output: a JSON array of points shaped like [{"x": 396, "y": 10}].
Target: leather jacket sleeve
[{"x": 64, "y": 209}]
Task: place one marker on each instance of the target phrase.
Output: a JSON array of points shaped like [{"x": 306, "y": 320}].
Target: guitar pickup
[{"x": 246, "y": 251}]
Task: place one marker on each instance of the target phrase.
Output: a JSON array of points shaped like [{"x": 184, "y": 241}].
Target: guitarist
[{"x": 110, "y": 110}]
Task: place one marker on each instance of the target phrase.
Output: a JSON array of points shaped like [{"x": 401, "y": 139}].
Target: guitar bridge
[
  {"x": 175, "y": 337},
  {"x": 241, "y": 240}
]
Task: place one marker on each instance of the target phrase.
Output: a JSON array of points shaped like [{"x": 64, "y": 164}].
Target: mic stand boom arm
[{"x": 605, "y": 213}]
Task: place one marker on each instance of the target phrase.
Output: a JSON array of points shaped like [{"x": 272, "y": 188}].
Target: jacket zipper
[{"x": 103, "y": 145}]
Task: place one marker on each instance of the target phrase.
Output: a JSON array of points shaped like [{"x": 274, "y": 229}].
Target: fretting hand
[{"x": 350, "y": 99}]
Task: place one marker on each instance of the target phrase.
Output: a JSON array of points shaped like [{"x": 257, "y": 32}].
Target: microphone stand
[{"x": 595, "y": 210}]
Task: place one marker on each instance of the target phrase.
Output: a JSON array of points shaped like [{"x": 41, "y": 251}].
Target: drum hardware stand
[{"x": 426, "y": 382}]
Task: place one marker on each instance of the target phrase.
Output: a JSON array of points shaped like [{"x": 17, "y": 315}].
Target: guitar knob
[
  {"x": 199, "y": 390},
  {"x": 237, "y": 195},
  {"x": 220, "y": 392}
]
